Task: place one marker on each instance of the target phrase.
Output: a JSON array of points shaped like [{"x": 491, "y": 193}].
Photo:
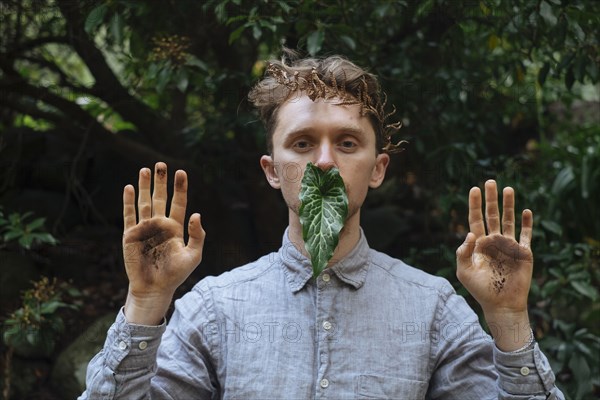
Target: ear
[
  {"x": 379, "y": 169},
  {"x": 268, "y": 166}
]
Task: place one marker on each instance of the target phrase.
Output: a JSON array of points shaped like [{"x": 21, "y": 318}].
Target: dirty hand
[
  {"x": 494, "y": 267},
  {"x": 157, "y": 260}
]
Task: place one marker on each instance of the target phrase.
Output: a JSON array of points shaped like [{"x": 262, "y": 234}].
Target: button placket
[{"x": 323, "y": 321}]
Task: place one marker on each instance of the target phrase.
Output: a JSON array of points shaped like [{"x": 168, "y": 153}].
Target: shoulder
[
  {"x": 400, "y": 273},
  {"x": 262, "y": 268},
  {"x": 208, "y": 294}
]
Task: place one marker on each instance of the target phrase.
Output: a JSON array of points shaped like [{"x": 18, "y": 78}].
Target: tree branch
[
  {"x": 28, "y": 109},
  {"x": 33, "y": 43},
  {"x": 108, "y": 87}
]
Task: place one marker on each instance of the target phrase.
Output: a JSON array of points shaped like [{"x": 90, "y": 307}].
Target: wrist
[
  {"x": 511, "y": 330},
  {"x": 148, "y": 309}
]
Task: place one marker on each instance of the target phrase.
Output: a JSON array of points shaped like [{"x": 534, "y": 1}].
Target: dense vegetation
[{"x": 93, "y": 90}]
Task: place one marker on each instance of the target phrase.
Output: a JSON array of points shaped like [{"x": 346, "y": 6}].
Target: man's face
[{"x": 328, "y": 135}]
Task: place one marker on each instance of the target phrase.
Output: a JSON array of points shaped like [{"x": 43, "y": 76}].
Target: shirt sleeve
[
  {"x": 157, "y": 362},
  {"x": 468, "y": 365},
  {"x": 525, "y": 375},
  {"x": 127, "y": 362}
]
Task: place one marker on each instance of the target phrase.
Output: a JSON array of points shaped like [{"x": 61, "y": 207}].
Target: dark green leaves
[{"x": 323, "y": 211}]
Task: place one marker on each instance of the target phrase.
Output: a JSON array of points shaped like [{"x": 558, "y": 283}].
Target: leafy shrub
[
  {"x": 33, "y": 329},
  {"x": 15, "y": 227}
]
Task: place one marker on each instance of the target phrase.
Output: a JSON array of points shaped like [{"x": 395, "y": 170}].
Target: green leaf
[
  {"x": 136, "y": 45},
  {"x": 196, "y": 62},
  {"x": 585, "y": 289},
  {"x": 563, "y": 180},
  {"x": 163, "y": 78},
  {"x": 25, "y": 241},
  {"x": 256, "y": 31},
  {"x": 233, "y": 36},
  {"x": 12, "y": 234},
  {"x": 543, "y": 74},
  {"x": 585, "y": 175},
  {"x": 94, "y": 18},
  {"x": 547, "y": 14},
  {"x": 569, "y": 78},
  {"x": 33, "y": 225},
  {"x": 348, "y": 41},
  {"x": 580, "y": 367},
  {"x": 323, "y": 211},
  {"x": 182, "y": 80},
  {"x": 552, "y": 227},
  {"x": 314, "y": 42},
  {"x": 116, "y": 28}
]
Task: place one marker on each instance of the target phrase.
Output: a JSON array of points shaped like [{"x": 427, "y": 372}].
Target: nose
[{"x": 325, "y": 159}]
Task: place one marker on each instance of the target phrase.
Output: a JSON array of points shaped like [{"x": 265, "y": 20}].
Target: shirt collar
[{"x": 351, "y": 269}]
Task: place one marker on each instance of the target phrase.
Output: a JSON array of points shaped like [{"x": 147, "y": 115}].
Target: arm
[
  {"x": 157, "y": 261},
  {"x": 497, "y": 270}
]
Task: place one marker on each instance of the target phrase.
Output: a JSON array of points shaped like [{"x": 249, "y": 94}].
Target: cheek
[{"x": 291, "y": 173}]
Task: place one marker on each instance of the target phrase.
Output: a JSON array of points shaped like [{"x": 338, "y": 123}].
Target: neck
[{"x": 349, "y": 236}]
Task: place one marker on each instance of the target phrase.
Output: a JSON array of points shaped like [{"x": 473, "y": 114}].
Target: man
[{"x": 369, "y": 326}]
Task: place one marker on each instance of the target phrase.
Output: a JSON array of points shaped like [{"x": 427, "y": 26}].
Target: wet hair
[{"x": 332, "y": 78}]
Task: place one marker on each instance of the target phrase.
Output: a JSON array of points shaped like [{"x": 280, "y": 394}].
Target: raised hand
[
  {"x": 494, "y": 267},
  {"x": 157, "y": 260}
]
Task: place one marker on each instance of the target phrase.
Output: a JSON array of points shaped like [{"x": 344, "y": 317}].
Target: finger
[
  {"x": 159, "y": 195},
  {"x": 179, "y": 202},
  {"x": 476, "y": 224},
  {"x": 196, "y": 240},
  {"x": 526, "y": 228},
  {"x": 129, "y": 219},
  {"x": 508, "y": 212},
  {"x": 492, "y": 215},
  {"x": 144, "y": 205}
]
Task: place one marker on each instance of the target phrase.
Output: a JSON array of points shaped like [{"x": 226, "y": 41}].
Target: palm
[
  {"x": 505, "y": 267},
  {"x": 494, "y": 267},
  {"x": 155, "y": 253}
]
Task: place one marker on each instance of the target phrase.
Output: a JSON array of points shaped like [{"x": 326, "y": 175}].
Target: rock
[{"x": 68, "y": 373}]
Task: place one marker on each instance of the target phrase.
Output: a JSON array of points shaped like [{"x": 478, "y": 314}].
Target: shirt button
[
  {"x": 122, "y": 345},
  {"x": 324, "y": 383},
  {"x": 327, "y": 325},
  {"x": 524, "y": 371},
  {"x": 143, "y": 344},
  {"x": 326, "y": 277}
]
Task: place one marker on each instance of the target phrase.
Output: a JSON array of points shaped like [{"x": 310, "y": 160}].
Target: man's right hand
[{"x": 157, "y": 259}]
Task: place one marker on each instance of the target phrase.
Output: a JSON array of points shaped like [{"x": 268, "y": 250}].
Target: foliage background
[{"x": 93, "y": 90}]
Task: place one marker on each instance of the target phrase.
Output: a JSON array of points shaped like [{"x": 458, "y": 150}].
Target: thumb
[
  {"x": 196, "y": 238},
  {"x": 465, "y": 251},
  {"x": 463, "y": 256}
]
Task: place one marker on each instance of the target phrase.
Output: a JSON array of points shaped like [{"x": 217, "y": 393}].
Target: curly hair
[{"x": 333, "y": 77}]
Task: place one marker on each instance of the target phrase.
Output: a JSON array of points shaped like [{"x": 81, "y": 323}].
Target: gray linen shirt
[{"x": 370, "y": 326}]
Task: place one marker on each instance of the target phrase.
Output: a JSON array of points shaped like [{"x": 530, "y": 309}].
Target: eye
[
  {"x": 348, "y": 144},
  {"x": 301, "y": 145}
]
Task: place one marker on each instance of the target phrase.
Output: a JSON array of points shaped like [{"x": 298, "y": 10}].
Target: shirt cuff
[
  {"x": 130, "y": 346},
  {"x": 526, "y": 372}
]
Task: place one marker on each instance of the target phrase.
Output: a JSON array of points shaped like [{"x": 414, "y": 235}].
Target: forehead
[{"x": 322, "y": 115}]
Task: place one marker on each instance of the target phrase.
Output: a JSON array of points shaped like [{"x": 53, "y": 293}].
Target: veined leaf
[{"x": 323, "y": 211}]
